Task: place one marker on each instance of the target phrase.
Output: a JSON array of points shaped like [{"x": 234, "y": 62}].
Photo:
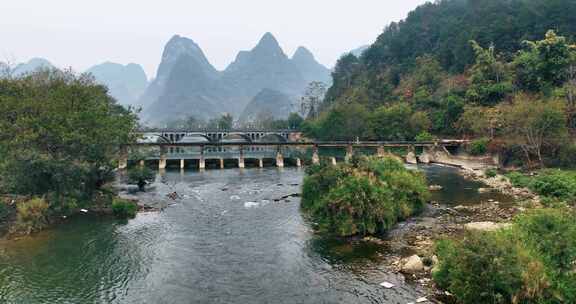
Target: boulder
[
  {"x": 435, "y": 188},
  {"x": 425, "y": 158},
  {"x": 411, "y": 158},
  {"x": 412, "y": 264},
  {"x": 486, "y": 226}
]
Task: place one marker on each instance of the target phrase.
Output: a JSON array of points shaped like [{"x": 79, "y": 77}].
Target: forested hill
[{"x": 444, "y": 29}]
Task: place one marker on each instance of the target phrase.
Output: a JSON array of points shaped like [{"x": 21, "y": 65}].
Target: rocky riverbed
[{"x": 411, "y": 244}]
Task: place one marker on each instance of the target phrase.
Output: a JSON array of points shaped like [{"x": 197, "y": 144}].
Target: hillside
[{"x": 443, "y": 29}]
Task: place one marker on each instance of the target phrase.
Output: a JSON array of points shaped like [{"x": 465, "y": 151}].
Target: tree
[
  {"x": 140, "y": 176},
  {"x": 397, "y": 122},
  {"x": 479, "y": 121},
  {"x": 295, "y": 121},
  {"x": 342, "y": 122},
  {"x": 490, "y": 80},
  {"x": 225, "y": 122},
  {"x": 311, "y": 101},
  {"x": 533, "y": 124},
  {"x": 61, "y": 134},
  {"x": 544, "y": 64}
]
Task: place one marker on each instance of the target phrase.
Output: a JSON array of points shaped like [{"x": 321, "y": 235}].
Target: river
[{"x": 227, "y": 239}]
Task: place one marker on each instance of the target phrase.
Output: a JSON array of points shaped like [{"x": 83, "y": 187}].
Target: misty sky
[{"x": 81, "y": 33}]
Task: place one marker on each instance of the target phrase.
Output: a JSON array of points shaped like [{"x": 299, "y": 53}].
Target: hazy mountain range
[
  {"x": 261, "y": 82},
  {"x": 187, "y": 84}
]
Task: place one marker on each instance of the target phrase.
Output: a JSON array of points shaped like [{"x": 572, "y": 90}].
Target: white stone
[
  {"x": 387, "y": 285},
  {"x": 421, "y": 300},
  {"x": 485, "y": 226},
  {"x": 412, "y": 264}
]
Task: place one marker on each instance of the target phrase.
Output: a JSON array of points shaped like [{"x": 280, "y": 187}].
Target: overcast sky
[{"x": 81, "y": 33}]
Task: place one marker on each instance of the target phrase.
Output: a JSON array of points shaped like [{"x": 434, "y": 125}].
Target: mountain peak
[
  {"x": 303, "y": 54},
  {"x": 268, "y": 42}
]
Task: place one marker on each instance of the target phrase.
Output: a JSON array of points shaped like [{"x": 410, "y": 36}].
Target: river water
[{"x": 229, "y": 238}]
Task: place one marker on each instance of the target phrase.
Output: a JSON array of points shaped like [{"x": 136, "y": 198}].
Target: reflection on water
[{"x": 229, "y": 239}]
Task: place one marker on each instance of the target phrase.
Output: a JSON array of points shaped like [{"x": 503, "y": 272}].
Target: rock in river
[{"x": 412, "y": 264}]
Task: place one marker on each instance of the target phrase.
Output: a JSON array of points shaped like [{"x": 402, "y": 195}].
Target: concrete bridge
[
  {"x": 240, "y": 148},
  {"x": 213, "y": 136}
]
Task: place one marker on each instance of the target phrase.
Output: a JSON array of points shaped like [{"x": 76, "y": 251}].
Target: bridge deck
[{"x": 317, "y": 143}]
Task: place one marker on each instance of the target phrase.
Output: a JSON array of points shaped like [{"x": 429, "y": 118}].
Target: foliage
[
  {"x": 479, "y": 146},
  {"x": 124, "y": 208},
  {"x": 425, "y": 136},
  {"x": 519, "y": 180},
  {"x": 556, "y": 184},
  {"x": 342, "y": 122},
  {"x": 141, "y": 176},
  {"x": 544, "y": 64},
  {"x": 312, "y": 100},
  {"x": 491, "y": 173},
  {"x": 365, "y": 197},
  {"x": 490, "y": 79},
  {"x": 31, "y": 215},
  {"x": 534, "y": 124},
  {"x": 61, "y": 134},
  {"x": 532, "y": 262}
]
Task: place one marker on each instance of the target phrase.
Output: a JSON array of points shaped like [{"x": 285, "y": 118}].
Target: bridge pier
[
  {"x": 349, "y": 153},
  {"x": 163, "y": 161},
  {"x": 279, "y": 160},
  {"x": 241, "y": 158},
  {"x": 381, "y": 151},
  {"x": 221, "y": 163},
  {"x": 202, "y": 161},
  {"x": 182, "y": 164},
  {"x": 260, "y": 163},
  {"x": 333, "y": 161},
  {"x": 142, "y": 163},
  {"x": 298, "y": 162},
  {"x": 411, "y": 156},
  {"x": 315, "y": 156}
]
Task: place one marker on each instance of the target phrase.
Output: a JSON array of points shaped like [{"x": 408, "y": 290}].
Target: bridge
[
  {"x": 260, "y": 147},
  {"x": 175, "y": 136}
]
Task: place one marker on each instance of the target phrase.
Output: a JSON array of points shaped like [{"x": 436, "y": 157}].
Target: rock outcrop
[{"x": 126, "y": 83}]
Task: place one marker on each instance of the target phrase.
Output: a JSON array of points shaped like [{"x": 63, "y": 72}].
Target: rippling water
[{"x": 227, "y": 240}]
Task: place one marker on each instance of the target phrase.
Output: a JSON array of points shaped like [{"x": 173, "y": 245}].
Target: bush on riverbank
[
  {"x": 551, "y": 184},
  {"x": 124, "y": 208},
  {"x": 365, "y": 197},
  {"x": 531, "y": 262},
  {"x": 31, "y": 215}
]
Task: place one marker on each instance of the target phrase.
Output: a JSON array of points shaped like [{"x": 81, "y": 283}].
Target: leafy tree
[
  {"x": 225, "y": 122},
  {"x": 342, "y": 122},
  {"x": 295, "y": 121},
  {"x": 544, "y": 64},
  {"x": 534, "y": 124},
  {"x": 479, "y": 121},
  {"x": 141, "y": 176},
  {"x": 397, "y": 122},
  {"x": 61, "y": 134},
  {"x": 490, "y": 79},
  {"x": 311, "y": 101}
]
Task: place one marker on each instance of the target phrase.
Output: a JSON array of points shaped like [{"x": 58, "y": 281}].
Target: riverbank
[{"x": 411, "y": 244}]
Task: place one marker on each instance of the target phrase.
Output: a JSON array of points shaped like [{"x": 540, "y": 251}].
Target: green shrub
[
  {"x": 124, "y": 208},
  {"x": 479, "y": 146},
  {"x": 366, "y": 197},
  {"x": 32, "y": 215},
  {"x": 556, "y": 184},
  {"x": 518, "y": 179},
  {"x": 424, "y": 136},
  {"x": 140, "y": 176},
  {"x": 491, "y": 172},
  {"x": 532, "y": 262}
]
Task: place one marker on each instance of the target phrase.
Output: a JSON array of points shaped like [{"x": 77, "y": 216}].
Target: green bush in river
[
  {"x": 531, "y": 262},
  {"x": 124, "y": 208},
  {"x": 553, "y": 185},
  {"x": 31, "y": 215},
  {"x": 365, "y": 197}
]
